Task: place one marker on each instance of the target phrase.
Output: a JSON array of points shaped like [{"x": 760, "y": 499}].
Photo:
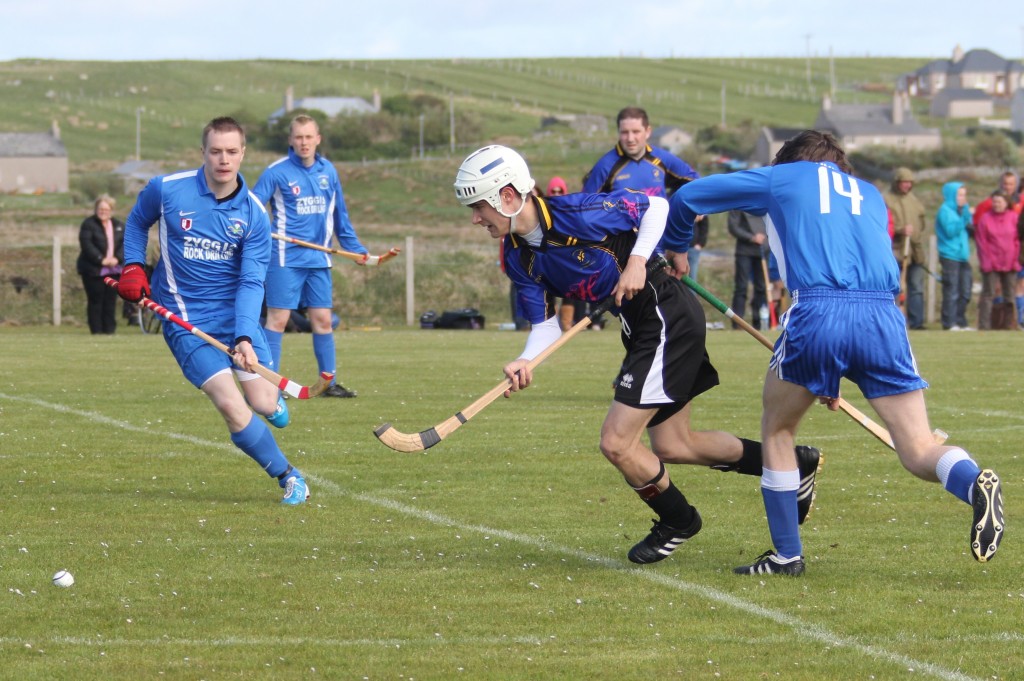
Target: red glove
[{"x": 133, "y": 284}]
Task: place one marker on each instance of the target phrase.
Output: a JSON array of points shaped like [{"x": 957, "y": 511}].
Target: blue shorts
[
  {"x": 859, "y": 335},
  {"x": 289, "y": 288},
  {"x": 200, "y": 361}
]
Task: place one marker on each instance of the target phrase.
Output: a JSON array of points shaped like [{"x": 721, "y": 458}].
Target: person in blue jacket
[
  {"x": 214, "y": 247},
  {"x": 589, "y": 247},
  {"x": 829, "y": 231},
  {"x": 953, "y": 227},
  {"x": 306, "y": 203}
]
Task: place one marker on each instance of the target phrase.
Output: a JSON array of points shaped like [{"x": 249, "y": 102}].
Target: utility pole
[
  {"x": 723, "y": 105},
  {"x": 451, "y": 121},
  {"x": 807, "y": 37},
  {"x": 138, "y": 133},
  {"x": 421, "y": 135}
]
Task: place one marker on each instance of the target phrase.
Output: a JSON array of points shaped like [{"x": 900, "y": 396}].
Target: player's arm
[
  {"x": 746, "y": 190},
  {"x": 255, "y": 258},
  {"x": 649, "y": 233},
  {"x": 594, "y": 180},
  {"x": 343, "y": 229},
  {"x": 677, "y": 172}
]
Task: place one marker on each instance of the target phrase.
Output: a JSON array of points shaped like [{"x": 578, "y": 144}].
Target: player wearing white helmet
[{"x": 590, "y": 247}]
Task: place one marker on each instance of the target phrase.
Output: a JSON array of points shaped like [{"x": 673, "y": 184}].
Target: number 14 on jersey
[{"x": 825, "y": 193}]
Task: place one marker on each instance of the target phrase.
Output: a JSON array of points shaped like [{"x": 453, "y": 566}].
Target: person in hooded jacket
[{"x": 953, "y": 227}]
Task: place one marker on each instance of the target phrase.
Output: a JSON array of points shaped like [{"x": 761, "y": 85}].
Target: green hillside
[{"x": 96, "y": 102}]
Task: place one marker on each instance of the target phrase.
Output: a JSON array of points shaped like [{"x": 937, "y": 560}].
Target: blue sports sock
[
  {"x": 274, "y": 341},
  {"x": 323, "y": 349},
  {"x": 778, "y": 488},
  {"x": 957, "y": 473},
  {"x": 1020, "y": 310},
  {"x": 258, "y": 442}
]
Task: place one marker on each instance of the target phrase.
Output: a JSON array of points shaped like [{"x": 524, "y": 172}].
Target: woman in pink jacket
[{"x": 998, "y": 250}]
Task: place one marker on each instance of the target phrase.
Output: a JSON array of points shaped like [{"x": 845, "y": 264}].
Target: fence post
[
  {"x": 410, "y": 288},
  {"x": 933, "y": 265},
  {"x": 56, "y": 280}
]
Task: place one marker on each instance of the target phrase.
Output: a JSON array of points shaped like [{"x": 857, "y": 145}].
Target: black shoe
[
  {"x": 768, "y": 563},
  {"x": 662, "y": 541},
  {"x": 987, "y": 530},
  {"x": 808, "y": 460},
  {"x": 338, "y": 390}
]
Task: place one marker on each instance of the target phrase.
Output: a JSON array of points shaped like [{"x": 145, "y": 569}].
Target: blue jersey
[
  {"x": 213, "y": 254},
  {"x": 826, "y": 228},
  {"x": 307, "y": 204},
  {"x": 655, "y": 174},
  {"x": 587, "y": 239}
]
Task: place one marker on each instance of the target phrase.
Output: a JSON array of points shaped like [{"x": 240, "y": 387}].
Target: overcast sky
[{"x": 131, "y": 30}]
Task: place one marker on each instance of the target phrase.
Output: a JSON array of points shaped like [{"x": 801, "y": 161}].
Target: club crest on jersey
[
  {"x": 324, "y": 182},
  {"x": 236, "y": 228},
  {"x": 296, "y": 189},
  {"x": 582, "y": 256},
  {"x": 186, "y": 224}
]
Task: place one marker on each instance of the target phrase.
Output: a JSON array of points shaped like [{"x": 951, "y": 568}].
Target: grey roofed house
[
  {"x": 33, "y": 162},
  {"x": 978, "y": 69},
  {"x": 135, "y": 174},
  {"x": 1017, "y": 111},
  {"x": 863, "y": 125},
  {"x": 962, "y": 103},
  {"x": 332, "y": 106},
  {"x": 770, "y": 141},
  {"x": 671, "y": 137}
]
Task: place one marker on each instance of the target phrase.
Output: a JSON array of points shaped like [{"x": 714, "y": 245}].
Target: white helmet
[{"x": 484, "y": 172}]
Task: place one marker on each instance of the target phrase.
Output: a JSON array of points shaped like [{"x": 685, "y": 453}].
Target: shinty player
[
  {"x": 308, "y": 204},
  {"x": 829, "y": 232},
  {"x": 214, "y": 248},
  {"x": 589, "y": 247}
]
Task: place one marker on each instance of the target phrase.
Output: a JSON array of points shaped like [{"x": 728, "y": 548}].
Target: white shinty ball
[{"x": 63, "y": 578}]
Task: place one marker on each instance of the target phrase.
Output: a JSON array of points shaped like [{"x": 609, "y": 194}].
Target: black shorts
[{"x": 666, "y": 363}]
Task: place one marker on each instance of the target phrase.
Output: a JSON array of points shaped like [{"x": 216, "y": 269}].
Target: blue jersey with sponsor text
[
  {"x": 306, "y": 204},
  {"x": 827, "y": 229},
  {"x": 213, "y": 254},
  {"x": 587, "y": 239}
]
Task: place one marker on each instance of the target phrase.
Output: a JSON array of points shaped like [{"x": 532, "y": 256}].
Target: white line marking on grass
[{"x": 800, "y": 628}]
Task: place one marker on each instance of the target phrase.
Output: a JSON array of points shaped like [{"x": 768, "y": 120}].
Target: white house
[{"x": 33, "y": 162}]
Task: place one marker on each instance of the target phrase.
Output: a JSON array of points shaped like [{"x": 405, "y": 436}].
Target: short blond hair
[{"x": 104, "y": 198}]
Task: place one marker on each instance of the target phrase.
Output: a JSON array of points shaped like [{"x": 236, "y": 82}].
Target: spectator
[
  {"x": 952, "y": 231},
  {"x": 909, "y": 225},
  {"x": 306, "y": 203},
  {"x": 569, "y": 311},
  {"x": 700, "y": 240},
  {"x": 751, "y": 243},
  {"x": 998, "y": 257},
  {"x": 101, "y": 238},
  {"x": 635, "y": 164},
  {"x": 1009, "y": 185}
]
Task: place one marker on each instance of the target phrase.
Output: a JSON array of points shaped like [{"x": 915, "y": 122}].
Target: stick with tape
[{"x": 283, "y": 383}]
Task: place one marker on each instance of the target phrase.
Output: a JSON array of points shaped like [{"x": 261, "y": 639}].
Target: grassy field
[{"x": 499, "y": 553}]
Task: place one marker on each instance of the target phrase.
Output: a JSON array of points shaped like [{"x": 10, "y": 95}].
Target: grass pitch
[{"x": 497, "y": 554}]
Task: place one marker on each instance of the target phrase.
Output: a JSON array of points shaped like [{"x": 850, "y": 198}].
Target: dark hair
[
  {"x": 223, "y": 124},
  {"x": 811, "y": 145},
  {"x": 632, "y": 112}
]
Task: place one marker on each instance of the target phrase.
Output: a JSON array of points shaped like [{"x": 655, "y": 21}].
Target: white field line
[{"x": 800, "y": 628}]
